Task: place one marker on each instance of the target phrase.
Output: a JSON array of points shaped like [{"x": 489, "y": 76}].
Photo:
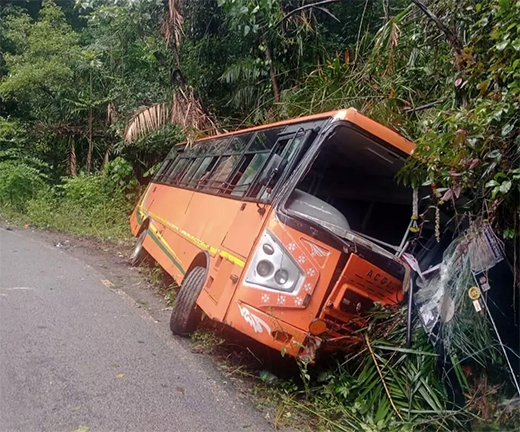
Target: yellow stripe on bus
[
  {"x": 232, "y": 258},
  {"x": 212, "y": 250},
  {"x": 164, "y": 243}
]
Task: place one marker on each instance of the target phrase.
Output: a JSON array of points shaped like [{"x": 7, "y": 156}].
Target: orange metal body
[{"x": 184, "y": 224}]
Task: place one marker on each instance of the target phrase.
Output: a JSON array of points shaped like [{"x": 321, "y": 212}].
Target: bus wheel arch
[{"x": 202, "y": 259}]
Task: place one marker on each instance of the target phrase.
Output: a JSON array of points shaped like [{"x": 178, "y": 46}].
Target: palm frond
[
  {"x": 185, "y": 110},
  {"x": 145, "y": 120},
  {"x": 188, "y": 112},
  {"x": 244, "y": 70}
]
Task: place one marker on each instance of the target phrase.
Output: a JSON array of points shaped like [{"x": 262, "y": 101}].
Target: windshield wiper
[{"x": 377, "y": 241}]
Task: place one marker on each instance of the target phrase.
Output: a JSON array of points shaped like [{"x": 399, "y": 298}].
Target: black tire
[
  {"x": 186, "y": 315},
  {"x": 139, "y": 255}
]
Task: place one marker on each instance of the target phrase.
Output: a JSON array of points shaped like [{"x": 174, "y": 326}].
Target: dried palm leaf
[
  {"x": 173, "y": 24},
  {"x": 186, "y": 111},
  {"x": 146, "y": 119}
]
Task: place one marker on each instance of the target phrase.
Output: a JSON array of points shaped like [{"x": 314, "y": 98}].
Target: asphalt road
[{"x": 75, "y": 354}]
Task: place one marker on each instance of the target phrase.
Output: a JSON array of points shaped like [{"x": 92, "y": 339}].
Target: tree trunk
[
  {"x": 73, "y": 170},
  {"x": 272, "y": 73},
  {"x": 90, "y": 146},
  {"x": 107, "y": 157}
]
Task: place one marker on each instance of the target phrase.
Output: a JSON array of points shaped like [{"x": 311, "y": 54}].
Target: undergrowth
[{"x": 96, "y": 206}]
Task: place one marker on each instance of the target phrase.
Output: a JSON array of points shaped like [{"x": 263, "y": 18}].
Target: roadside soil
[{"x": 238, "y": 358}]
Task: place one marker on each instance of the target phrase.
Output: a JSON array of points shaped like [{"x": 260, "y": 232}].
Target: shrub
[{"x": 19, "y": 183}]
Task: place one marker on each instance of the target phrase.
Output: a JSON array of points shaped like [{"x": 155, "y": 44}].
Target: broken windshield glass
[{"x": 351, "y": 190}]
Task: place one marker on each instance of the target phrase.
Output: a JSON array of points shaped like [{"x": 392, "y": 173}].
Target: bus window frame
[
  {"x": 309, "y": 130},
  {"x": 291, "y": 136}
]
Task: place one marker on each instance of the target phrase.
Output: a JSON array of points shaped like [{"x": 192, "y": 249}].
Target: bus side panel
[
  {"x": 181, "y": 253},
  {"x": 209, "y": 217},
  {"x": 219, "y": 287},
  {"x": 245, "y": 228},
  {"x": 134, "y": 222},
  {"x": 263, "y": 327},
  {"x": 170, "y": 204},
  {"x": 166, "y": 208},
  {"x": 155, "y": 246}
]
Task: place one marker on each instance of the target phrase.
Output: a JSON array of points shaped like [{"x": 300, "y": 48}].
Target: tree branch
[
  {"x": 308, "y": 6},
  {"x": 452, "y": 37},
  {"x": 425, "y": 106}
]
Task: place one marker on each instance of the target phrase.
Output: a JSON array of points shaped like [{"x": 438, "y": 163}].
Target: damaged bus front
[{"x": 330, "y": 248}]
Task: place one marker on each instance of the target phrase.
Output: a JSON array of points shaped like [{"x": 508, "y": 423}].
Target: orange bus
[{"x": 288, "y": 232}]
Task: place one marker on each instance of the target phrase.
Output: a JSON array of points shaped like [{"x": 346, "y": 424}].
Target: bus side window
[
  {"x": 178, "y": 171},
  {"x": 286, "y": 147},
  {"x": 246, "y": 173},
  {"x": 203, "y": 170},
  {"x": 192, "y": 169},
  {"x": 166, "y": 165},
  {"x": 167, "y": 172},
  {"x": 264, "y": 140},
  {"x": 221, "y": 172}
]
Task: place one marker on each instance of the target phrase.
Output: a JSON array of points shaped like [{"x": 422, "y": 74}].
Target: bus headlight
[{"x": 273, "y": 267}]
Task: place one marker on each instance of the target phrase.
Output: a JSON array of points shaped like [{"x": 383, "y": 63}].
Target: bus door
[
  {"x": 248, "y": 223},
  {"x": 249, "y": 220}
]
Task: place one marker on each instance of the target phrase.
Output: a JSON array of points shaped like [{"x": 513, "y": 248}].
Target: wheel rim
[{"x": 138, "y": 245}]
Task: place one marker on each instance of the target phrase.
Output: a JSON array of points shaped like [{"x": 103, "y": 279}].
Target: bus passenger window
[
  {"x": 264, "y": 140},
  {"x": 165, "y": 167},
  {"x": 287, "y": 149},
  {"x": 178, "y": 171},
  {"x": 165, "y": 176},
  {"x": 247, "y": 172},
  {"x": 238, "y": 143},
  {"x": 195, "y": 163},
  {"x": 221, "y": 172},
  {"x": 204, "y": 168}
]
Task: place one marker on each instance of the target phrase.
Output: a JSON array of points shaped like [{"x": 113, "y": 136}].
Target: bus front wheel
[{"x": 186, "y": 315}]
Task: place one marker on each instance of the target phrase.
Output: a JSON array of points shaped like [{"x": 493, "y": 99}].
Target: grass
[{"x": 102, "y": 221}]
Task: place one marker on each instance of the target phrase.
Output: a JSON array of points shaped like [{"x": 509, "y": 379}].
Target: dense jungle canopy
[{"x": 83, "y": 82}]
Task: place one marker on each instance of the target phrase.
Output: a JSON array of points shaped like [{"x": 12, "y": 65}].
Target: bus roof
[{"x": 350, "y": 115}]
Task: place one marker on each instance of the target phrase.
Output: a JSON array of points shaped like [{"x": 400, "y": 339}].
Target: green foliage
[
  {"x": 89, "y": 205},
  {"x": 475, "y": 149},
  {"x": 44, "y": 59},
  {"x": 379, "y": 386},
  {"x": 19, "y": 183},
  {"x": 104, "y": 220}
]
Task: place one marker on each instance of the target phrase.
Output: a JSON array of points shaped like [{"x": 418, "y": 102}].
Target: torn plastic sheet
[
  {"x": 442, "y": 294},
  {"x": 451, "y": 316},
  {"x": 485, "y": 249},
  {"x": 464, "y": 261}
]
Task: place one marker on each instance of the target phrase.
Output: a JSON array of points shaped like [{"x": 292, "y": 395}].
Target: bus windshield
[{"x": 351, "y": 189}]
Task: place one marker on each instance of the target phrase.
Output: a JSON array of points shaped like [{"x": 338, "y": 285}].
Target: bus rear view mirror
[{"x": 274, "y": 167}]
